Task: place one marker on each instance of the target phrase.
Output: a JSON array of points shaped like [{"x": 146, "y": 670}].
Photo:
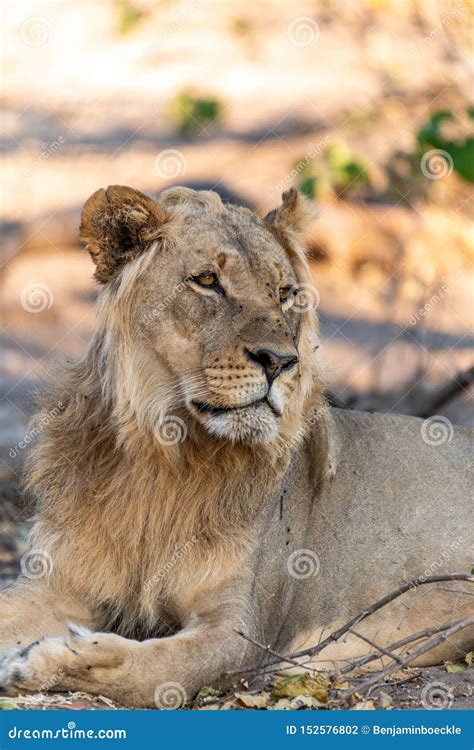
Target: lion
[{"x": 195, "y": 494}]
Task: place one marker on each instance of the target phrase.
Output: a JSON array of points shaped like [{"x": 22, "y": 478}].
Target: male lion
[{"x": 194, "y": 484}]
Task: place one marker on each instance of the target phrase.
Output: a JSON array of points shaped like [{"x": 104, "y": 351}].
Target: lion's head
[{"x": 207, "y": 313}]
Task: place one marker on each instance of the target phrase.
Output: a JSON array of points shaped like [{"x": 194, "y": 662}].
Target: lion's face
[{"x": 215, "y": 319}]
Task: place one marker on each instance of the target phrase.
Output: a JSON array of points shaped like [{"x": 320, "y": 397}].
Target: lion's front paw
[{"x": 80, "y": 661}]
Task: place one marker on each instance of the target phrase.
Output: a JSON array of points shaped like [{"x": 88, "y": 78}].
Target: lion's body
[{"x": 281, "y": 518}]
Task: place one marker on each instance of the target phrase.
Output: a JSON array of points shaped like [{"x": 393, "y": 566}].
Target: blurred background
[{"x": 362, "y": 104}]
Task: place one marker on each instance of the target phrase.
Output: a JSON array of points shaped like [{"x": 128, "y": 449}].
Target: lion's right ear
[{"x": 117, "y": 225}]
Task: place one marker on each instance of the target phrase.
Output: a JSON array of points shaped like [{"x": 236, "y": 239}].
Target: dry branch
[
  {"x": 426, "y": 633},
  {"x": 407, "y": 660},
  {"x": 336, "y": 634},
  {"x": 381, "y": 649}
]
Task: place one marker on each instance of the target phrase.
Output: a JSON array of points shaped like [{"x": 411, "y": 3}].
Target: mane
[{"x": 107, "y": 490}]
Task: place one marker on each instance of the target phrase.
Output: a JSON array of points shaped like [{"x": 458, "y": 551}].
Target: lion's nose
[{"x": 272, "y": 363}]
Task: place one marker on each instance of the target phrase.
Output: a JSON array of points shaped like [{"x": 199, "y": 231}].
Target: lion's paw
[{"x": 75, "y": 662}]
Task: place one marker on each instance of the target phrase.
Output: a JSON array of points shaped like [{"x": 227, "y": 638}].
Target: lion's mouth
[{"x": 215, "y": 411}]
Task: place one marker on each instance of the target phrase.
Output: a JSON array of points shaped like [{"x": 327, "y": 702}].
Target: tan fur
[{"x": 172, "y": 522}]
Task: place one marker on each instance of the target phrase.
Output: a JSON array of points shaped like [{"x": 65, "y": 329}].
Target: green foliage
[
  {"x": 461, "y": 149},
  {"x": 190, "y": 114},
  {"x": 129, "y": 16},
  {"x": 337, "y": 170}
]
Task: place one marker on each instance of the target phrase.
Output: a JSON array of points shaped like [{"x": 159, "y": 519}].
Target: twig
[
  {"x": 382, "y": 649},
  {"x": 336, "y": 634},
  {"x": 267, "y": 650},
  {"x": 398, "y": 644},
  {"x": 411, "y": 657}
]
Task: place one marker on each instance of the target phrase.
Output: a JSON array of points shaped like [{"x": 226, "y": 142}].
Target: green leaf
[
  {"x": 452, "y": 668},
  {"x": 6, "y": 705}
]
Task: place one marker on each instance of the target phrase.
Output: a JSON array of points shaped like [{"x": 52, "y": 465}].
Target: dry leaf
[
  {"x": 364, "y": 706},
  {"x": 469, "y": 658},
  {"x": 281, "y": 705},
  {"x": 385, "y": 700},
  {"x": 305, "y": 701},
  {"x": 253, "y": 701},
  {"x": 313, "y": 687}
]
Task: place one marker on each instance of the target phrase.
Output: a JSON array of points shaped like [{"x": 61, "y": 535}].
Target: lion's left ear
[
  {"x": 117, "y": 224},
  {"x": 296, "y": 214}
]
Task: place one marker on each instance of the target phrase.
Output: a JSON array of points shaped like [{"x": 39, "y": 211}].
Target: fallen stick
[
  {"x": 266, "y": 649},
  {"x": 336, "y": 634},
  {"x": 382, "y": 649},
  {"x": 406, "y": 661},
  {"x": 426, "y": 633}
]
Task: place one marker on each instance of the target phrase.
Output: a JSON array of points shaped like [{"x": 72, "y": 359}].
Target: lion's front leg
[
  {"x": 33, "y": 609},
  {"x": 165, "y": 673}
]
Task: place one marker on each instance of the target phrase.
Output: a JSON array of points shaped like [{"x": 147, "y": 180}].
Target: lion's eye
[
  {"x": 285, "y": 293},
  {"x": 207, "y": 280}
]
